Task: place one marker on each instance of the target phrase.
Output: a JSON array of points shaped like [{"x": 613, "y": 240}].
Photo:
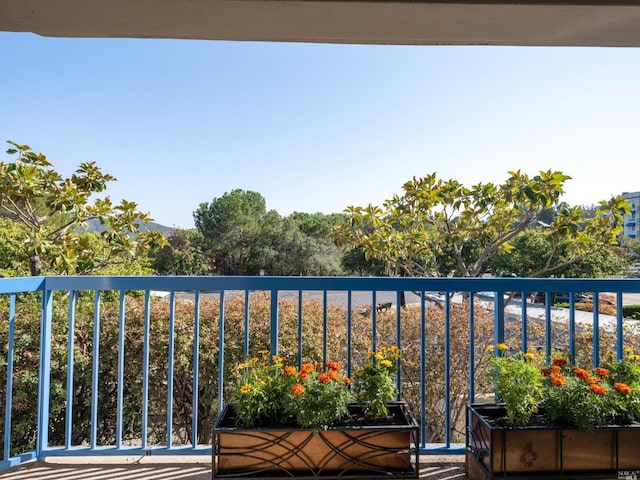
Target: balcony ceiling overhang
[{"x": 542, "y": 22}]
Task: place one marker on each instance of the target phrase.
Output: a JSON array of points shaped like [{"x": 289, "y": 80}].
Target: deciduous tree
[
  {"x": 56, "y": 210},
  {"x": 439, "y": 228}
]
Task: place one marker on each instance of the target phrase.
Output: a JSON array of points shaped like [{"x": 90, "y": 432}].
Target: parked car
[{"x": 558, "y": 297}]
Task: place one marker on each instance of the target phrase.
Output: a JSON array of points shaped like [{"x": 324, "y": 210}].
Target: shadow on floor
[{"x": 429, "y": 470}]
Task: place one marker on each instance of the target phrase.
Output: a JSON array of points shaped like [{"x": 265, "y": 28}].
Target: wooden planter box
[
  {"x": 383, "y": 451},
  {"x": 547, "y": 451}
]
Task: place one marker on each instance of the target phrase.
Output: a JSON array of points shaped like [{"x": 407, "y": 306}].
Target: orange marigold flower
[
  {"x": 560, "y": 362},
  {"x": 335, "y": 366},
  {"x": 307, "y": 367},
  {"x": 324, "y": 378},
  {"x": 555, "y": 369},
  {"x": 603, "y": 372},
  {"x": 290, "y": 370},
  {"x": 333, "y": 375},
  {"x": 622, "y": 388},
  {"x": 557, "y": 379},
  {"x": 545, "y": 371},
  {"x": 581, "y": 373},
  {"x": 297, "y": 389},
  {"x": 598, "y": 389},
  {"x": 347, "y": 381},
  {"x": 303, "y": 375},
  {"x": 592, "y": 380}
]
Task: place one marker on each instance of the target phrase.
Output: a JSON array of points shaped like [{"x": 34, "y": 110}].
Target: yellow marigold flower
[
  {"x": 242, "y": 366},
  {"x": 529, "y": 356},
  {"x": 246, "y": 388},
  {"x": 277, "y": 359},
  {"x": 628, "y": 350},
  {"x": 490, "y": 349},
  {"x": 254, "y": 360},
  {"x": 371, "y": 354},
  {"x": 502, "y": 346},
  {"x": 608, "y": 357},
  {"x": 379, "y": 356},
  {"x": 386, "y": 363},
  {"x": 297, "y": 389}
]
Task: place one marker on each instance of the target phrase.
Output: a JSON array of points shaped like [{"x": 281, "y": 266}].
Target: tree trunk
[{"x": 35, "y": 265}]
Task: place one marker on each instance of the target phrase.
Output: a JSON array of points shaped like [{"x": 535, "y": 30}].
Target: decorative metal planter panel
[
  {"x": 369, "y": 451},
  {"x": 547, "y": 451}
]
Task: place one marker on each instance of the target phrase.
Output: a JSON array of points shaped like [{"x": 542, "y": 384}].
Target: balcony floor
[{"x": 178, "y": 468}]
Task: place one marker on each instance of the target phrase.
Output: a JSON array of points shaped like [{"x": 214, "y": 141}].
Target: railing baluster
[
  {"x": 324, "y": 327},
  {"x": 196, "y": 368},
  {"x": 121, "y": 350},
  {"x": 399, "y": 343},
  {"x": 423, "y": 365},
  {"x": 246, "y": 324},
  {"x": 70, "y": 366},
  {"x": 619, "y": 327},
  {"x": 145, "y": 368},
  {"x": 374, "y": 321},
  {"x": 95, "y": 369},
  {"x": 299, "y": 328},
  {"x": 524, "y": 324},
  {"x": 349, "y": 339},
  {"x": 44, "y": 377},
  {"x": 572, "y": 332},
  {"x": 274, "y": 347},
  {"x": 10, "y": 356},
  {"x": 171, "y": 353},
  {"x": 596, "y": 329},
  {"x": 447, "y": 371},
  {"x": 221, "y": 354},
  {"x": 472, "y": 349}
]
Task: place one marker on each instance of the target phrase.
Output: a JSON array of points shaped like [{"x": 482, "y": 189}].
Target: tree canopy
[
  {"x": 55, "y": 212},
  {"x": 441, "y": 227}
]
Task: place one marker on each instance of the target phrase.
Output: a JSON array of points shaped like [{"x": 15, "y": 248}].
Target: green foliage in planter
[
  {"x": 518, "y": 384},
  {"x": 375, "y": 383}
]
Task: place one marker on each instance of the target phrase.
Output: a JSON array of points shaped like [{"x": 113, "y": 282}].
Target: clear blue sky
[{"x": 315, "y": 128}]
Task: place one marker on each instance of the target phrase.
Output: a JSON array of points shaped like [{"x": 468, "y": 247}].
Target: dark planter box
[
  {"x": 369, "y": 451},
  {"x": 534, "y": 452}
]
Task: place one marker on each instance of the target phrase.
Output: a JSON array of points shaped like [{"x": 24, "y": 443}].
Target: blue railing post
[
  {"x": 498, "y": 317},
  {"x": 10, "y": 356},
  {"x": 95, "y": 374},
  {"x": 70, "y": 366},
  {"x": 44, "y": 380},
  {"x": 274, "y": 323}
]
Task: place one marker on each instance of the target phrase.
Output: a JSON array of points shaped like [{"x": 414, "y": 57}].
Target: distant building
[{"x": 631, "y": 222}]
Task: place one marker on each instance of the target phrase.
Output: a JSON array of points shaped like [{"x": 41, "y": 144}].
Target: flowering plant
[
  {"x": 375, "y": 383},
  {"x": 572, "y": 395},
  {"x": 270, "y": 393}
]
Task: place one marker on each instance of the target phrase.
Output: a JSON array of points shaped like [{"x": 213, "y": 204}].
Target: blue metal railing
[{"x": 349, "y": 291}]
